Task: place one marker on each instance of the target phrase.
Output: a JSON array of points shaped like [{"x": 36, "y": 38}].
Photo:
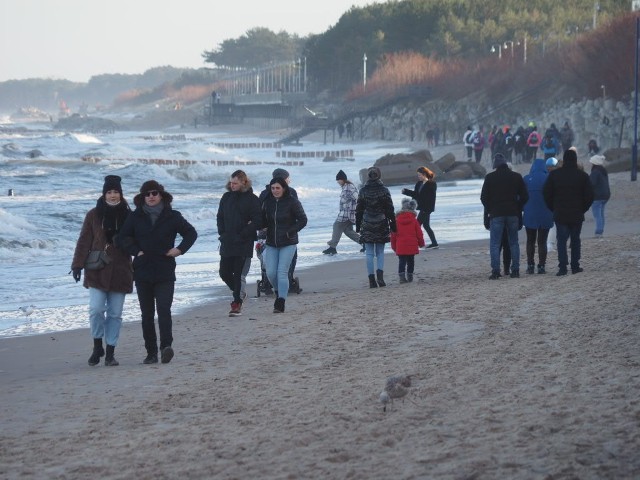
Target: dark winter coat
[
  {"x": 375, "y": 217},
  {"x": 568, "y": 193},
  {"x": 425, "y": 196},
  {"x": 239, "y": 216},
  {"x": 536, "y": 213},
  {"x": 408, "y": 237},
  {"x": 138, "y": 234},
  {"x": 504, "y": 193},
  {"x": 117, "y": 276},
  {"x": 600, "y": 183},
  {"x": 283, "y": 218}
]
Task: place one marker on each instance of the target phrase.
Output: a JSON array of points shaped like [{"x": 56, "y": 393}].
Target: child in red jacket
[{"x": 407, "y": 239}]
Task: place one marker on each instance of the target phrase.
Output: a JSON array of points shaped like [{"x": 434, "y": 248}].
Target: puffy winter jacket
[
  {"x": 408, "y": 237},
  {"x": 239, "y": 217},
  {"x": 374, "y": 213},
  {"x": 155, "y": 240},
  {"x": 284, "y": 217},
  {"x": 568, "y": 193},
  {"x": 536, "y": 213}
]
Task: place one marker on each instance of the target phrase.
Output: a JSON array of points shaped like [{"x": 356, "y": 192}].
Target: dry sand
[{"x": 536, "y": 377}]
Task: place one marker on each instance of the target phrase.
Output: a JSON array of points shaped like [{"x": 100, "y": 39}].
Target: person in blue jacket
[
  {"x": 537, "y": 218},
  {"x": 149, "y": 236}
]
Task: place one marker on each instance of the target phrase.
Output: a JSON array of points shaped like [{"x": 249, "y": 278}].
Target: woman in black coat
[
  {"x": 425, "y": 194},
  {"x": 375, "y": 219},
  {"x": 149, "y": 235},
  {"x": 284, "y": 217}
]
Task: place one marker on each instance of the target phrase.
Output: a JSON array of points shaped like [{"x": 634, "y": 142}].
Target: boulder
[
  {"x": 618, "y": 160},
  {"x": 400, "y": 169}
]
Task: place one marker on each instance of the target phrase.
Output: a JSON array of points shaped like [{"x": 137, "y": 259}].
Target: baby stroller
[{"x": 264, "y": 285}]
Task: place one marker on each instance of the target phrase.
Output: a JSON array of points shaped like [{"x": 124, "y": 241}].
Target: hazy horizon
[{"x": 76, "y": 39}]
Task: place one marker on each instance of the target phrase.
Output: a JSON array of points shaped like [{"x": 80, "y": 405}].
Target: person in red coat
[{"x": 407, "y": 240}]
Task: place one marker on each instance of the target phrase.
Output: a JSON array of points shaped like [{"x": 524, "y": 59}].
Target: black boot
[
  {"x": 109, "y": 360},
  {"x": 379, "y": 275},
  {"x": 98, "y": 352},
  {"x": 409, "y": 277},
  {"x": 278, "y": 305},
  {"x": 403, "y": 278},
  {"x": 372, "y": 281}
]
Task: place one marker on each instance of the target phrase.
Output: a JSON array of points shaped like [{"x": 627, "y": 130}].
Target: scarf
[
  {"x": 112, "y": 217},
  {"x": 153, "y": 212}
]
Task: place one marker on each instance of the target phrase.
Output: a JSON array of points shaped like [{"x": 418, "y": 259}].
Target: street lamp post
[
  {"x": 604, "y": 92},
  {"x": 493, "y": 49},
  {"x": 364, "y": 71},
  {"x": 510, "y": 43}
]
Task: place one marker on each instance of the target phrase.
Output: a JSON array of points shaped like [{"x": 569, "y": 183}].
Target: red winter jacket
[{"x": 408, "y": 238}]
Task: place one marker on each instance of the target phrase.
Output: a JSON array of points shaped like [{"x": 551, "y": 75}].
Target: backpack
[
  {"x": 477, "y": 139},
  {"x": 508, "y": 141},
  {"x": 469, "y": 137},
  {"x": 534, "y": 139},
  {"x": 548, "y": 143}
]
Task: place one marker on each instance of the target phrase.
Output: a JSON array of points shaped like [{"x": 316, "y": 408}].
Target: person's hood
[
  {"x": 538, "y": 165},
  {"x": 570, "y": 159},
  {"x": 405, "y": 217}
]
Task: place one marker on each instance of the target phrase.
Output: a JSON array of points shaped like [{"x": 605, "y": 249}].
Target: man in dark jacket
[
  {"x": 568, "y": 194},
  {"x": 149, "y": 236},
  {"x": 239, "y": 217},
  {"x": 504, "y": 195}
]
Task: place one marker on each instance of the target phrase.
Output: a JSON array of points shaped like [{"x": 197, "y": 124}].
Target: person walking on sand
[
  {"x": 568, "y": 194},
  {"x": 467, "y": 139},
  {"x": 149, "y": 235},
  {"x": 375, "y": 219},
  {"x": 346, "y": 214},
  {"x": 537, "y": 218},
  {"x": 108, "y": 285},
  {"x": 601, "y": 191},
  {"x": 478, "y": 144},
  {"x": 239, "y": 217},
  {"x": 283, "y": 217},
  {"x": 407, "y": 239},
  {"x": 503, "y": 195},
  {"x": 424, "y": 193}
]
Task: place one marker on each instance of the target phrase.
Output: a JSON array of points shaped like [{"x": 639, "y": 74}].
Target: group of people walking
[
  {"x": 148, "y": 236},
  {"x": 553, "y": 193},
  {"x": 140, "y": 245}
]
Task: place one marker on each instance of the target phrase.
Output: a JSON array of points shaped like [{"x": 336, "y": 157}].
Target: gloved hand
[
  {"x": 405, "y": 191},
  {"x": 77, "y": 274}
]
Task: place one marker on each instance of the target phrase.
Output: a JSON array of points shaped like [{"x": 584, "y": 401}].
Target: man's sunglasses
[{"x": 152, "y": 193}]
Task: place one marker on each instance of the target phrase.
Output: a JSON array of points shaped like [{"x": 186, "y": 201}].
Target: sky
[{"x": 76, "y": 39}]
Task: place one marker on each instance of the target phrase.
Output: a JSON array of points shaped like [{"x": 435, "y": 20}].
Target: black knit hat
[
  {"x": 280, "y": 173},
  {"x": 112, "y": 182},
  {"x": 341, "y": 175}
]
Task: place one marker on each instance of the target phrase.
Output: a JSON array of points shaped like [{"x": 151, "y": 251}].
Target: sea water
[{"x": 43, "y": 202}]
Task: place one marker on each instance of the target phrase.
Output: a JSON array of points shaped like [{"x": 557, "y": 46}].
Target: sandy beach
[{"x": 536, "y": 377}]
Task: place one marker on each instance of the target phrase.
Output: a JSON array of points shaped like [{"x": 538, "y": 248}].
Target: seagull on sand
[
  {"x": 27, "y": 309},
  {"x": 396, "y": 387}
]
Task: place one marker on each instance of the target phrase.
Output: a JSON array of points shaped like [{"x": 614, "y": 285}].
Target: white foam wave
[{"x": 13, "y": 225}]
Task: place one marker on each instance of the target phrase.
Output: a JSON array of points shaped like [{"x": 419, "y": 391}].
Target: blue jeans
[
  {"x": 598, "y": 214},
  {"x": 105, "y": 315},
  {"x": 374, "y": 250},
  {"x": 564, "y": 232},
  {"x": 277, "y": 262},
  {"x": 496, "y": 228}
]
